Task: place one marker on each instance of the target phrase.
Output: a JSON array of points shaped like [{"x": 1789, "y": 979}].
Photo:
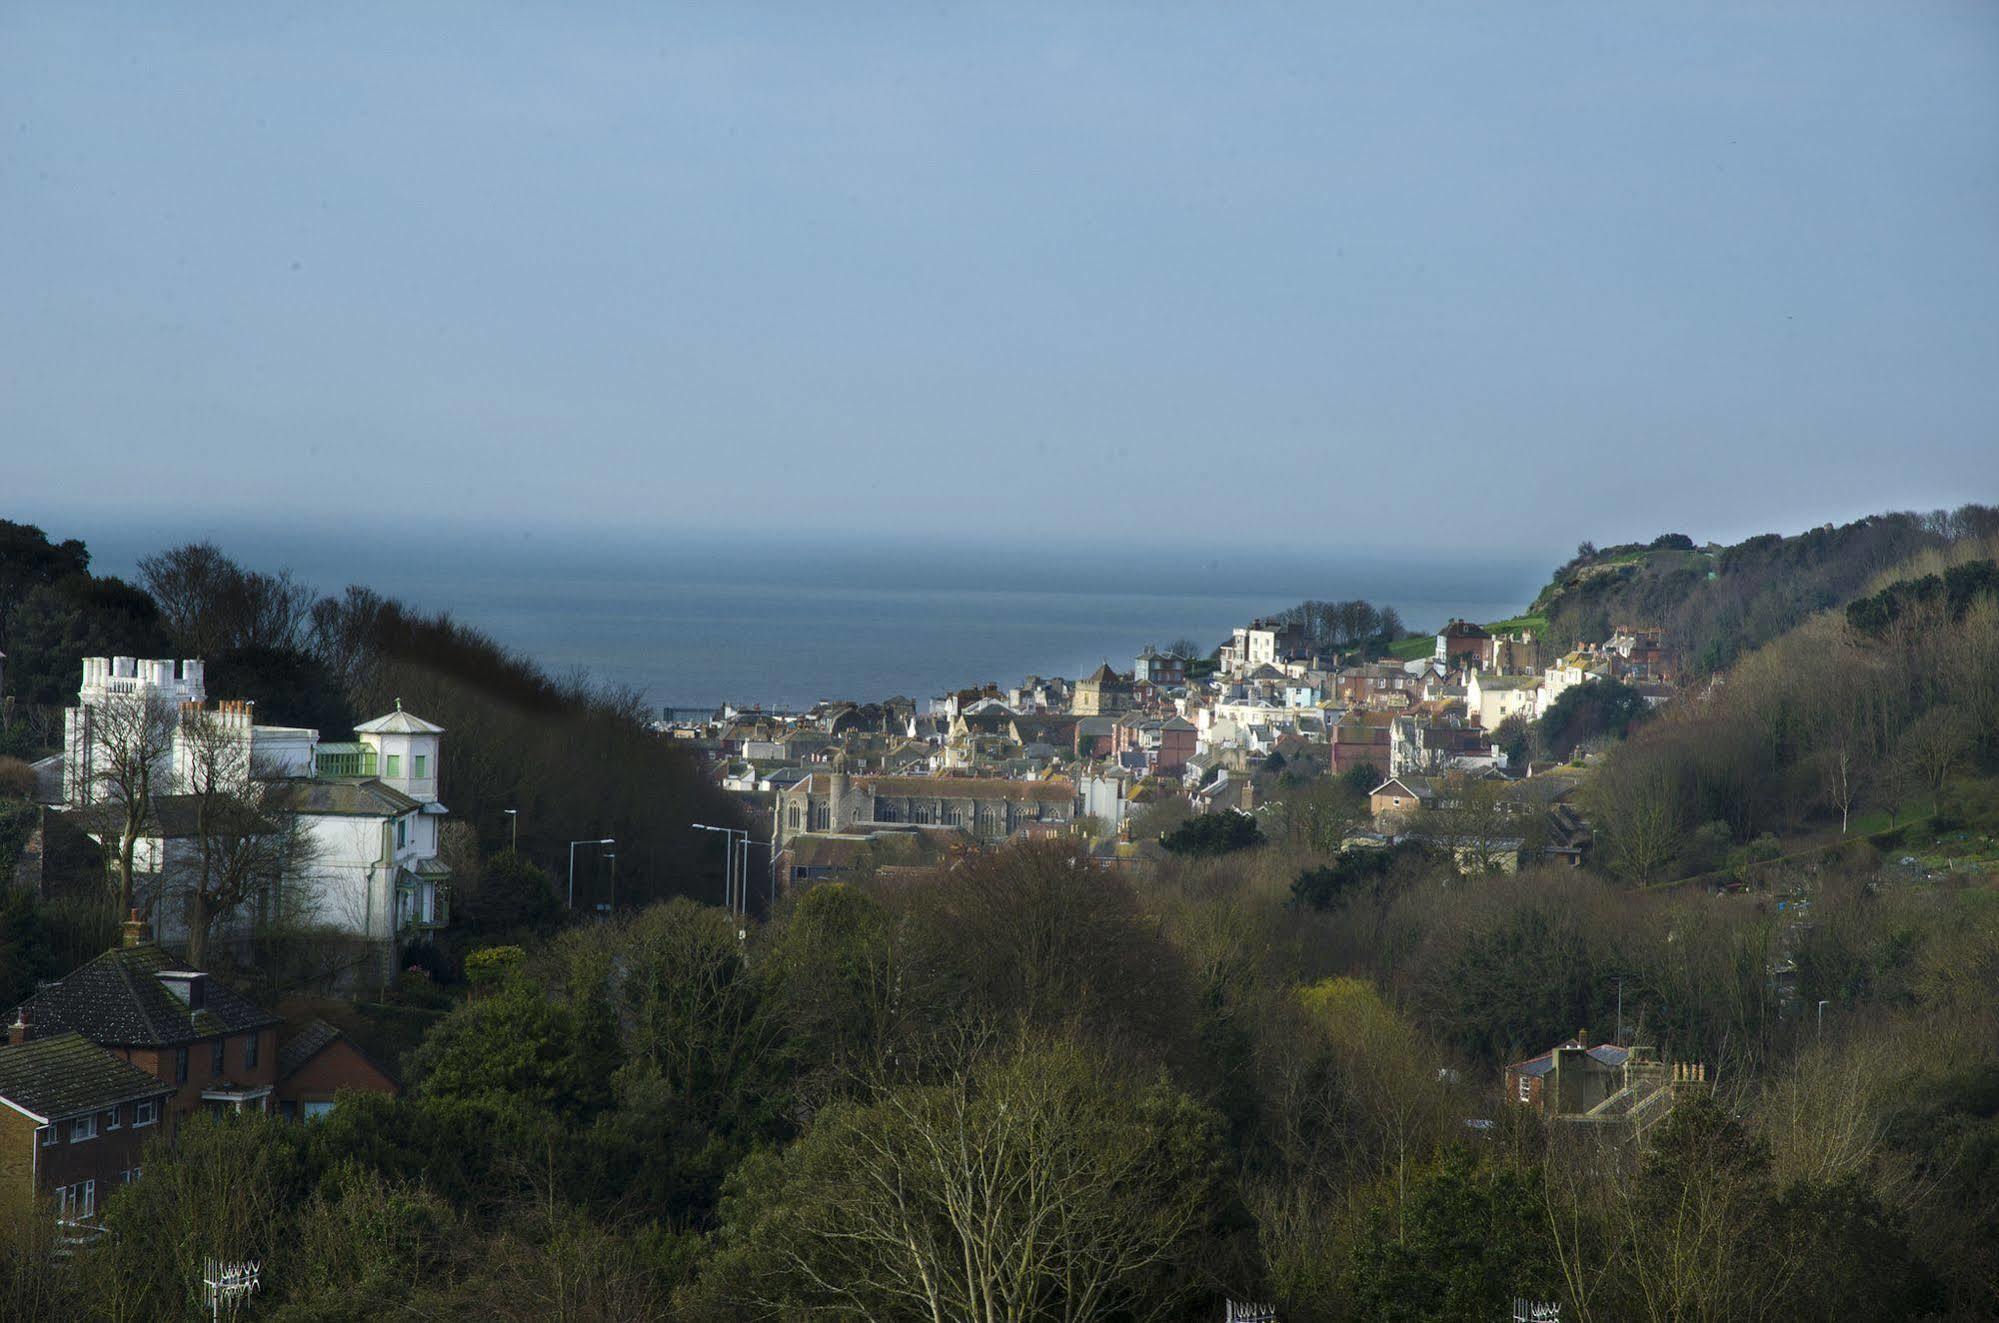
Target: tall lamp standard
[
  {"x": 514, "y": 820},
  {"x": 612, "y": 908},
  {"x": 729, "y": 835},
  {"x": 572, "y": 865}
]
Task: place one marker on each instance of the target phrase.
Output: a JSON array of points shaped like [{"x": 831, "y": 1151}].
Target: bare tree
[
  {"x": 245, "y": 846},
  {"x": 1634, "y": 802},
  {"x": 212, "y": 604},
  {"x": 1041, "y": 1188},
  {"x": 1473, "y": 821},
  {"x": 128, "y": 738},
  {"x": 1931, "y": 748}
]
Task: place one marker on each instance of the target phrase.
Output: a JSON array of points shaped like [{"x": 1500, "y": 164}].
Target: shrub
[{"x": 17, "y": 779}]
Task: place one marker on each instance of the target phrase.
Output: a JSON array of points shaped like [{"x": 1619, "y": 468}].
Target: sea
[{"x": 695, "y": 620}]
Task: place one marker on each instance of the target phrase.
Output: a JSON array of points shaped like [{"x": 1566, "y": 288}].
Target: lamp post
[
  {"x": 729, "y": 835},
  {"x": 612, "y": 908},
  {"x": 572, "y": 864},
  {"x": 1822, "y": 1005},
  {"x": 514, "y": 819}
]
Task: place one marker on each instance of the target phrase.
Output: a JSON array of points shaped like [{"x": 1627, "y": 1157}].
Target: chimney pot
[{"x": 17, "y": 1033}]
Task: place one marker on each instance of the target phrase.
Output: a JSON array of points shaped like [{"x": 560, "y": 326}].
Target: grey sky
[{"x": 1348, "y": 274}]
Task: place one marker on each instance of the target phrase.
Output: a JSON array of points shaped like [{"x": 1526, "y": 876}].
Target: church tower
[{"x": 837, "y": 787}]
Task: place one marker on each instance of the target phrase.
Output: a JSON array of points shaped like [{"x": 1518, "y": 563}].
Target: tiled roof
[
  {"x": 118, "y": 999},
  {"x": 304, "y": 1045},
  {"x": 68, "y": 1074}
]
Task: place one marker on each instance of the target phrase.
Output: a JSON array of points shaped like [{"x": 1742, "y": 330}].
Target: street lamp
[
  {"x": 1822, "y": 1005},
  {"x": 612, "y": 908},
  {"x": 572, "y": 865},
  {"x": 729, "y": 835},
  {"x": 514, "y": 818}
]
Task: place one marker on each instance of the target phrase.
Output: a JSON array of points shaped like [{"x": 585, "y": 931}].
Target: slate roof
[
  {"x": 1609, "y": 1054},
  {"x": 348, "y": 799},
  {"x": 966, "y": 787},
  {"x": 168, "y": 818},
  {"x": 118, "y": 999},
  {"x": 68, "y": 1074}
]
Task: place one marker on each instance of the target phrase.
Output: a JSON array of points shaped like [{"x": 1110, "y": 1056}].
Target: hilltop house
[
  {"x": 370, "y": 808},
  {"x": 1461, "y": 643}
]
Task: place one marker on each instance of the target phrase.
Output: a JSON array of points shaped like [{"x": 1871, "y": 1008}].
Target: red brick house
[
  {"x": 319, "y": 1062},
  {"x": 73, "y": 1121},
  {"x": 1461, "y": 642},
  {"x": 185, "y": 1028}
]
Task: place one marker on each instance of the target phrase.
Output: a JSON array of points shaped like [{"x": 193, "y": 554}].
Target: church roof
[{"x": 398, "y": 722}]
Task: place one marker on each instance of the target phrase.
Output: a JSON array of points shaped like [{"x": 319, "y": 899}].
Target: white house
[
  {"x": 370, "y": 808},
  {"x": 1491, "y": 699}
]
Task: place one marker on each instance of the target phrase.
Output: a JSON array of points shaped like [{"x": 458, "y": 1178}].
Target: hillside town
[{"x": 896, "y": 783}]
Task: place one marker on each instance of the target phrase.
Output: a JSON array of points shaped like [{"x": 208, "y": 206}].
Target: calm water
[{"x": 694, "y": 622}]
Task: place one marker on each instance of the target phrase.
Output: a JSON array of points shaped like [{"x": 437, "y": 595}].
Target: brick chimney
[
  {"x": 18, "y": 1031},
  {"x": 136, "y": 931}
]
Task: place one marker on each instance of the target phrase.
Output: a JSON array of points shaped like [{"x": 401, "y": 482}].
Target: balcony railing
[{"x": 333, "y": 760}]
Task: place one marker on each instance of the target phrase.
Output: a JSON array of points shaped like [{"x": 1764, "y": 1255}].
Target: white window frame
[
  {"x": 49, "y": 1135},
  {"x": 1526, "y": 1088},
  {"x": 117, "y": 1114},
  {"x": 77, "y": 1202},
  {"x": 83, "y": 1128},
  {"x": 149, "y": 1108}
]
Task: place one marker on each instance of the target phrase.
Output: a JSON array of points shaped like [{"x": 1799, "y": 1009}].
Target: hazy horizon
[{"x": 1268, "y": 276}]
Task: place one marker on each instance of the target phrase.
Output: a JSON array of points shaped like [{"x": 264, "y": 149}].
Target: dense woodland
[{"x": 1025, "y": 1087}]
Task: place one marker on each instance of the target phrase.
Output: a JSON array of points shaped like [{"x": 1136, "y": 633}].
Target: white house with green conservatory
[{"x": 370, "y": 806}]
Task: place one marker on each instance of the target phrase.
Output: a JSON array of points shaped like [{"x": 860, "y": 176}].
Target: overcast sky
[{"x": 1347, "y": 274}]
